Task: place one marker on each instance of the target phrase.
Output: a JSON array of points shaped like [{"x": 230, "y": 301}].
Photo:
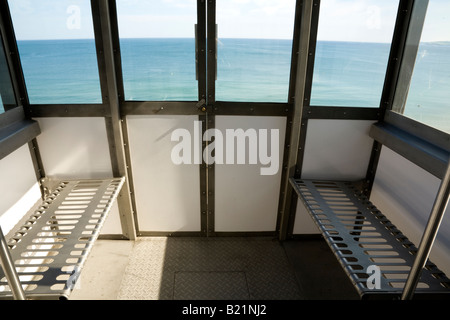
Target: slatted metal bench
[
  {"x": 364, "y": 241},
  {"x": 51, "y": 247}
]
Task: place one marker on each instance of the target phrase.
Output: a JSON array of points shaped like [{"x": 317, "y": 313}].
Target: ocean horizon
[{"x": 347, "y": 74}]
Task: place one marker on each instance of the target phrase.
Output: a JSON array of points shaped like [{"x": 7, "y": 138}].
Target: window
[
  {"x": 428, "y": 99},
  {"x": 7, "y": 98},
  {"x": 254, "y": 50},
  {"x": 57, "y": 50},
  {"x": 352, "y": 51},
  {"x": 157, "y": 43}
]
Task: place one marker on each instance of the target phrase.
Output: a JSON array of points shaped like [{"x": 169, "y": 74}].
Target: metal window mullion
[
  {"x": 396, "y": 79},
  {"x": 12, "y": 56},
  {"x": 208, "y": 170},
  {"x": 121, "y": 97},
  {"x": 113, "y": 120},
  {"x": 201, "y": 52},
  {"x": 307, "y": 37},
  {"x": 289, "y": 115},
  {"x": 417, "y": 14},
  {"x": 18, "y": 81}
]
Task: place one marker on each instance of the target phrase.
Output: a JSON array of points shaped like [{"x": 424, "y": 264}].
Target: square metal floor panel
[
  {"x": 211, "y": 285},
  {"x": 193, "y": 268}
]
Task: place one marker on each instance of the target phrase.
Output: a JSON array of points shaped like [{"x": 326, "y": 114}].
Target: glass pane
[
  {"x": 7, "y": 98},
  {"x": 254, "y": 50},
  {"x": 352, "y": 51},
  {"x": 429, "y": 93},
  {"x": 157, "y": 43},
  {"x": 57, "y": 50}
]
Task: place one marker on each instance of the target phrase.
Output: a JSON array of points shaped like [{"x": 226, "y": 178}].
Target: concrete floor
[
  {"x": 102, "y": 274},
  {"x": 316, "y": 274}
]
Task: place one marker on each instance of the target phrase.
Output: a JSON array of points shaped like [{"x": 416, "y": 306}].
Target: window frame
[
  {"x": 16, "y": 127},
  {"x": 418, "y": 142},
  {"x": 413, "y": 40}
]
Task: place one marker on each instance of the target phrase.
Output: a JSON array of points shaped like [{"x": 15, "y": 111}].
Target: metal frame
[
  {"x": 308, "y": 22},
  {"x": 410, "y": 40},
  {"x": 121, "y": 96},
  {"x": 16, "y": 135},
  {"x": 113, "y": 121},
  {"x": 398, "y": 47},
  {"x": 291, "y": 109},
  {"x": 425, "y": 146},
  {"x": 417, "y": 142},
  {"x": 208, "y": 170},
  {"x": 12, "y": 56},
  {"x": 7, "y": 88}
]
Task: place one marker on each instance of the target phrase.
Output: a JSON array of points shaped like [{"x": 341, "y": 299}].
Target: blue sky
[{"x": 346, "y": 20}]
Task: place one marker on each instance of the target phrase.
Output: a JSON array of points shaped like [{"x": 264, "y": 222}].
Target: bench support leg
[
  {"x": 10, "y": 270},
  {"x": 429, "y": 235}
]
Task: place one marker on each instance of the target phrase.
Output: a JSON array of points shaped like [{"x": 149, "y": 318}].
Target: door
[{"x": 206, "y": 93}]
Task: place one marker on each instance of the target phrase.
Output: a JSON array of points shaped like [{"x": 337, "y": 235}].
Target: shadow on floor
[
  {"x": 229, "y": 268},
  {"x": 318, "y": 272}
]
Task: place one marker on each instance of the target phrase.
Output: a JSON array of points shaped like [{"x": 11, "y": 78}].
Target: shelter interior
[{"x": 236, "y": 149}]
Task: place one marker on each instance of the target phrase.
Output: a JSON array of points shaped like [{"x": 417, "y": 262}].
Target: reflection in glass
[
  {"x": 57, "y": 50},
  {"x": 352, "y": 51},
  {"x": 428, "y": 98}
]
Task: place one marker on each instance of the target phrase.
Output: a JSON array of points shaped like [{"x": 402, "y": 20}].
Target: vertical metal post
[
  {"x": 113, "y": 118},
  {"x": 429, "y": 235},
  {"x": 210, "y": 117},
  {"x": 10, "y": 270},
  {"x": 399, "y": 46},
  {"x": 307, "y": 27}
]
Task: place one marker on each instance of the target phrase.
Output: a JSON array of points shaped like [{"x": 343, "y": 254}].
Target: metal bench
[
  {"x": 375, "y": 255},
  {"x": 43, "y": 259}
]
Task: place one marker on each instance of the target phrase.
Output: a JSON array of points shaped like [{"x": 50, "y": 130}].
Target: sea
[{"x": 248, "y": 70}]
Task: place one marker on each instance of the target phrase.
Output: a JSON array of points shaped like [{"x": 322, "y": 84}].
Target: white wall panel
[
  {"x": 74, "y": 148},
  {"x": 18, "y": 187},
  {"x": 245, "y": 200},
  {"x": 405, "y": 193},
  {"x": 167, "y": 195},
  {"x": 337, "y": 149}
]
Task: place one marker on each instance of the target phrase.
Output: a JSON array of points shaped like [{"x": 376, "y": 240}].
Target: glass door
[
  {"x": 163, "y": 60},
  {"x": 206, "y": 87},
  {"x": 249, "y": 46}
]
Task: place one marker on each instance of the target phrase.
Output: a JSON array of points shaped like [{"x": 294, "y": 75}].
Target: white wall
[
  {"x": 74, "y": 148},
  {"x": 405, "y": 193},
  {"x": 18, "y": 187},
  {"x": 334, "y": 150},
  {"x": 337, "y": 149},
  {"x": 245, "y": 200},
  {"x": 167, "y": 195},
  {"x": 77, "y": 148}
]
